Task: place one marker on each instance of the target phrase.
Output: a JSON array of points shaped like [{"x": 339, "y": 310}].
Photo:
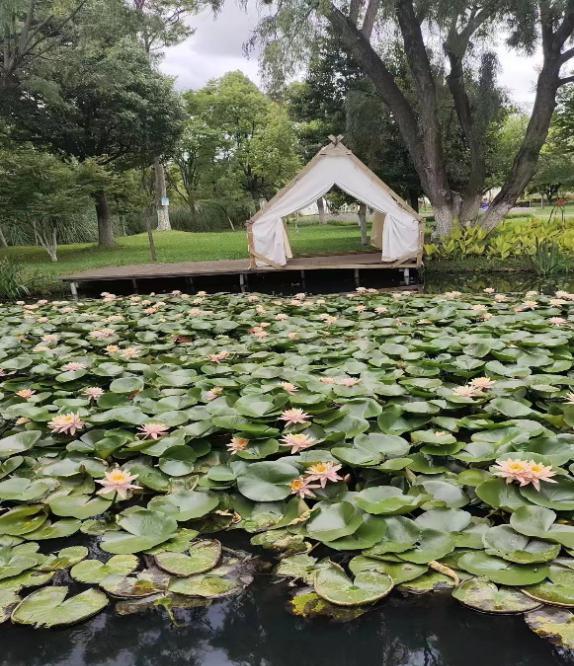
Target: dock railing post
[{"x": 74, "y": 290}]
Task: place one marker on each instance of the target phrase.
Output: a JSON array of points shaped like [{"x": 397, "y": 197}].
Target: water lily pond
[{"x": 176, "y": 461}]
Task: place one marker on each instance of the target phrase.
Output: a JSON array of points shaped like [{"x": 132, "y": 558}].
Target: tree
[
  {"x": 39, "y": 189},
  {"x": 458, "y": 26},
  {"x": 337, "y": 98},
  {"x": 102, "y": 102},
  {"x": 245, "y": 136},
  {"x": 161, "y": 23},
  {"x": 29, "y": 31}
]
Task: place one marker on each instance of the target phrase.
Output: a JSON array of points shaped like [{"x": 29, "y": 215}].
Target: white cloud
[{"x": 216, "y": 47}]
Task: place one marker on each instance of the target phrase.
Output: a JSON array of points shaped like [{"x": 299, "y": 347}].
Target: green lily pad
[
  {"x": 49, "y": 607},
  {"x": 386, "y": 500},
  {"x": 266, "y": 481},
  {"x": 502, "y": 572},
  {"x": 78, "y": 506},
  {"x": 332, "y": 584},
  {"x": 484, "y": 596},
  {"x": 22, "y": 519},
  {"x": 94, "y": 572},
  {"x": 504, "y": 542},
  {"x": 185, "y": 505},
  {"x": 400, "y": 572},
  {"x": 141, "y": 529},
  {"x": 333, "y": 521},
  {"x": 142, "y": 584},
  {"x": 201, "y": 556}
]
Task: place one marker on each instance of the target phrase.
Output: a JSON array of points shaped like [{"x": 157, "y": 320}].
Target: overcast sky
[{"x": 216, "y": 47}]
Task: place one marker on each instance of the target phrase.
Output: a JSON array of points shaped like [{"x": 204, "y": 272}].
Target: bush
[
  {"x": 12, "y": 282},
  {"x": 546, "y": 245}
]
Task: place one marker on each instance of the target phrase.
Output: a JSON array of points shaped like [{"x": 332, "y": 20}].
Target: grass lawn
[{"x": 174, "y": 246}]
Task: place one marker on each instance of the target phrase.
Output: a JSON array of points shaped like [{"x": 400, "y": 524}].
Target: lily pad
[
  {"x": 49, "y": 607},
  {"x": 332, "y": 584},
  {"x": 201, "y": 556},
  {"x": 487, "y": 597},
  {"x": 502, "y": 572}
]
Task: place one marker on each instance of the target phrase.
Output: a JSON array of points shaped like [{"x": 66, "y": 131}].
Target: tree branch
[
  {"x": 420, "y": 67},
  {"x": 370, "y": 17},
  {"x": 354, "y": 10},
  {"x": 566, "y": 79}
]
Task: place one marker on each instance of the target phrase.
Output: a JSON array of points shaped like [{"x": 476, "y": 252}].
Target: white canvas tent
[{"x": 335, "y": 164}]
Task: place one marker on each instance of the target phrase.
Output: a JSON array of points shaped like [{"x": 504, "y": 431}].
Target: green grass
[{"x": 172, "y": 247}]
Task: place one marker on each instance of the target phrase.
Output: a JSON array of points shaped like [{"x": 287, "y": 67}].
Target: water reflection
[{"x": 256, "y": 630}]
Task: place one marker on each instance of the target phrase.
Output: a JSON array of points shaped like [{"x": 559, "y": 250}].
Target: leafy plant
[
  {"x": 548, "y": 258},
  {"x": 12, "y": 281}
]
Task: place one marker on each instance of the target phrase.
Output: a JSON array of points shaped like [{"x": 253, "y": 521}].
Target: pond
[
  {"x": 256, "y": 630},
  {"x": 392, "y": 455},
  {"x": 435, "y": 283}
]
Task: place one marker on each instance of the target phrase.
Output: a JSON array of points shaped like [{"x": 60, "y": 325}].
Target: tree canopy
[{"x": 446, "y": 51}]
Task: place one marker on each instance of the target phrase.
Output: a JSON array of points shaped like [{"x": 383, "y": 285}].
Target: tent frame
[{"x": 337, "y": 147}]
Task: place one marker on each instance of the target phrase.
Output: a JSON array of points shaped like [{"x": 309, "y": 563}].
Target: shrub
[{"x": 12, "y": 282}]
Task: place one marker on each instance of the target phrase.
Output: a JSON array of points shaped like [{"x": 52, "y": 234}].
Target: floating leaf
[
  {"x": 332, "y": 584},
  {"x": 486, "y": 597},
  {"x": 49, "y": 607},
  {"x": 200, "y": 557}
]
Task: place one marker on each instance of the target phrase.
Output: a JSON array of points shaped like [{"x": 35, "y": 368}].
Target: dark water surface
[{"x": 256, "y": 630}]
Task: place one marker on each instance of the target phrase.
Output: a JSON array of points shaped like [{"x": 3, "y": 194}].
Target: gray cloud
[{"x": 216, "y": 47}]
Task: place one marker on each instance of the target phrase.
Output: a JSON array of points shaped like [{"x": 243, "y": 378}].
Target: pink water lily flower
[
  {"x": 294, "y": 416},
  {"x": 524, "y": 472},
  {"x": 26, "y": 393},
  {"x": 482, "y": 383},
  {"x": 466, "y": 391},
  {"x": 324, "y": 472},
  {"x": 302, "y": 487},
  {"x": 214, "y": 393},
  {"x": 381, "y": 309},
  {"x": 101, "y": 333},
  {"x": 288, "y": 387},
  {"x": 557, "y": 321},
  {"x": 237, "y": 444},
  {"x": 73, "y": 366},
  {"x": 348, "y": 381},
  {"x": 93, "y": 392},
  {"x": 118, "y": 481},
  {"x": 328, "y": 380},
  {"x": 220, "y": 356},
  {"x": 153, "y": 430},
  {"x": 281, "y": 316},
  {"x": 66, "y": 424},
  {"x": 570, "y": 398},
  {"x": 130, "y": 352},
  {"x": 298, "y": 442}
]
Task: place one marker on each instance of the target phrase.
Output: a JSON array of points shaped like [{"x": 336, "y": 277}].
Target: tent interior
[{"x": 398, "y": 231}]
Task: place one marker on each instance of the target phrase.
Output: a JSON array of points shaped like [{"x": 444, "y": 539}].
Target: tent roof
[{"x": 335, "y": 148}]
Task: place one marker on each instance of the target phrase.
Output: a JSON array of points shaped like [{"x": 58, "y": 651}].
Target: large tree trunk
[
  {"x": 105, "y": 225},
  {"x": 363, "y": 224},
  {"x": 321, "y": 209},
  {"x": 163, "y": 223},
  {"x": 422, "y": 139},
  {"x": 525, "y": 162}
]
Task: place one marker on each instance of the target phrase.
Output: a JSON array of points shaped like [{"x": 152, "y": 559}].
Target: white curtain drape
[{"x": 401, "y": 229}]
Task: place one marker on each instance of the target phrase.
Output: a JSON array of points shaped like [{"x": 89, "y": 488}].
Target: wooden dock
[{"x": 320, "y": 274}]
